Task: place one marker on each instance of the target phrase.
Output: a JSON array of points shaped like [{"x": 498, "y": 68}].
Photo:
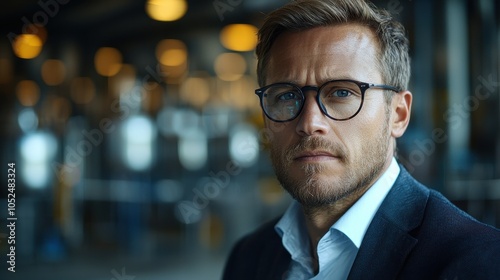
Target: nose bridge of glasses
[{"x": 307, "y": 88}]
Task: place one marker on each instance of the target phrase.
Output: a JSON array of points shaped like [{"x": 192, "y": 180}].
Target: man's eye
[
  {"x": 341, "y": 93},
  {"x": 287, "y": 96}
]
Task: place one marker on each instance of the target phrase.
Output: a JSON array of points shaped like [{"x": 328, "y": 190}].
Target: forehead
[{"x": 329, "y": 52}]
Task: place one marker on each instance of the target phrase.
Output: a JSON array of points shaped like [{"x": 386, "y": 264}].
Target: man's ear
[{"x": 401, "y": 111}]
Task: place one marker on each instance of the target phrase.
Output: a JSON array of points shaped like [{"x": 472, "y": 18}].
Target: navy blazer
[{"x": 416, "y": 234}]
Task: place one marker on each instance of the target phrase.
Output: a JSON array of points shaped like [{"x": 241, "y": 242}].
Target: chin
[{"x": 317, "y": 189}]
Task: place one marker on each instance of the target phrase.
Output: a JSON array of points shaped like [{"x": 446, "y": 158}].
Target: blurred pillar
[
  {"x": 423, "y": 89},
  {"x": 423, "y": 68},
  {"x": 498, "y": 75},
  {"x": 489, "y": 71},
  {"x": 491, "y": 62},
  {"x": 458, "y": 113}
]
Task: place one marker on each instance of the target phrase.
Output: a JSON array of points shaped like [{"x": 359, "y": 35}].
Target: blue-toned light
[
  {"x": 37, "y": 151},
  {"x": 243, "y": 145},
  {"x": 193, "y": 150},
  {"x": 27, "y": 120},
  {"x": 139, "y": 134}
]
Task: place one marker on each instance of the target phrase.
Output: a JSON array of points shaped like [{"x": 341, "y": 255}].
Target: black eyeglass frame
[{"x": 362, "y": 86}]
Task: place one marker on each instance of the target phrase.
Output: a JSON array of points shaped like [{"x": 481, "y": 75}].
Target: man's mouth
[{"x": 315, "y": 156}]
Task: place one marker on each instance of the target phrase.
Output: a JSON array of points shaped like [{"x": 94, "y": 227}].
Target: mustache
[{"x": 315, "y": 144}]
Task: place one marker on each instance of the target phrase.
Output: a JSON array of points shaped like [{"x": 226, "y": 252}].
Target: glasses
[{"x": 338, "y": 99}]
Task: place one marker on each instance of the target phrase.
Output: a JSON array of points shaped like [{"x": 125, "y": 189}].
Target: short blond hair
[{"x": 298, "y": 15}]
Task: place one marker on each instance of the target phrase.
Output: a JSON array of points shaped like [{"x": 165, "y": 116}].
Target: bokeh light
[
  {"x": 27, "y": 46},
  {"x": 53, "y": 72},
  {"x": 139, "y": 134},
  {"x": 171, "y": 52},
  {"x": 195, "y": 91},
  {"x": 239, "y": 37},
  {"x": 37, "y": 150},
  {"x": 27, "y": 120},
  {"x": 230, "y": 66},
  {"x": 243, "y": 145},
  {"x": 166, "y": 10},
  {"x": 124, "y": 81},
  {"x": 173, "y": 56},
  {"x": 28, "y": 92},
  {"x": 193, "y": 149},
  {"x": 108, "y": 61}
]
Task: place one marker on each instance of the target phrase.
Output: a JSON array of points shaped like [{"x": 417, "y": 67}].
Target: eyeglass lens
[{"x": 340, "y": 100}]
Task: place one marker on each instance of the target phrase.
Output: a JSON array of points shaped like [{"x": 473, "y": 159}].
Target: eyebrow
[{"x": 322, "y": 81}]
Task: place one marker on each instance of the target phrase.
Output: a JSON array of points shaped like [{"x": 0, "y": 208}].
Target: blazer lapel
[
  {"x": 274, "y": 260},
  {"x": 388, "y": 240}
]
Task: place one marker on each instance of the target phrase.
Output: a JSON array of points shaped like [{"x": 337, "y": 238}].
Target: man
[{"x": 334, "y": 76}]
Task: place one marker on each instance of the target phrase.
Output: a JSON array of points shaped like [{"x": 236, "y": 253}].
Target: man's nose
[{"x": 311, "y": 120}]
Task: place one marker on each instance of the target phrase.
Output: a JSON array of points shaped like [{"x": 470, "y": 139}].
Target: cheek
[
  {"x": 364, "y": 129},
  {"x": 373, "y": 114}
]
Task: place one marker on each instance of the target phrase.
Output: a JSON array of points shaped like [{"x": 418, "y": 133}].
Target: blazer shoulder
[
  {"x": 455, "y": 223},
  {"x": 449, "y": 243},
  {"x": 467, "y": 246},
  {"x": 257, "y": 255}
]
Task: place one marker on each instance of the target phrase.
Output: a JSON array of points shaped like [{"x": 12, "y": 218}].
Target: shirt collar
[
  {"x": 356, "y": 220},
  {"x": 354, "y": 223}
]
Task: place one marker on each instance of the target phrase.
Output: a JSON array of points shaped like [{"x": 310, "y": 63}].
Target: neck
[{"x": 319, "y": 219}]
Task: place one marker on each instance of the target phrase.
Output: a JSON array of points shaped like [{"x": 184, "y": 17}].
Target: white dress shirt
[{"x": 337, "y": 249}]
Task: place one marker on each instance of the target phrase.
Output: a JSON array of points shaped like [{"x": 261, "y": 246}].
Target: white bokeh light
[
  {"x": 243, "y": 145},
  {"x": 139, "y": 134},
  {"x": 27, "y": 120},
  {"x": 193, "y": 150},
  {"x": 37, "y": 151}
]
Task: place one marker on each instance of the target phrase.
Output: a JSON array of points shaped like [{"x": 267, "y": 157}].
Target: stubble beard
[{"x": 311, "y": 191}]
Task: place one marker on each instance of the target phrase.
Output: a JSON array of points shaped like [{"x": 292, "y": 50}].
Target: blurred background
[{"x": 138, "y": 142}]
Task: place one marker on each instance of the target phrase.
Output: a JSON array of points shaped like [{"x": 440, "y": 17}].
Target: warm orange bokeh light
[
  {"x": 171, "y": 52},
  {"x": 108, "y": 61},
  {"x": 53, "y": 72},
  {"x": 166, "y": 10},
  {"x": 28, "y": 93},
  {"x": 239, "y": 37},
  {"x": 230, "y": 66},
  {"x": 27, "y": 46}
]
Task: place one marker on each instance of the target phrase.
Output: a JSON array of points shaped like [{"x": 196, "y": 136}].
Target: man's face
[{"x": 316, "y": 159}]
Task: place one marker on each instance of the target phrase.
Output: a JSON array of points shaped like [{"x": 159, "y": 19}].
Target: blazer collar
[{"x": 388, "y": 240}]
